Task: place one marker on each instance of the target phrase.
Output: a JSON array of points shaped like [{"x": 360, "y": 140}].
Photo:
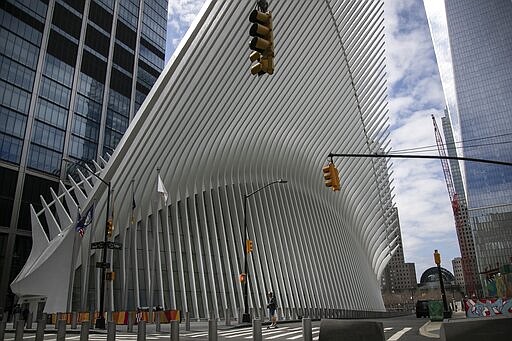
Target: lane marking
[{"x": 399, "y": 334}]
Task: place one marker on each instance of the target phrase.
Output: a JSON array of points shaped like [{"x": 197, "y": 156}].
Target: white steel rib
[{"x": 213, "y": 133}]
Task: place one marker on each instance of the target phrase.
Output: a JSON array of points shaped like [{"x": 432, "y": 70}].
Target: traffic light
[
  {"x": 242, "y": 278},
  {"x": 248, "y": 246},
  {"x": 437, "y": 257},
  {"x": 110, "y": 276},
  {"x": 262, "y": 42},
  {"x": 331, "y": 176},
  {"x": 110, "y": 227}
]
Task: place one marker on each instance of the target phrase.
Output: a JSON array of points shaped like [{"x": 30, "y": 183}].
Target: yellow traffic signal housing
[
  {"x": 248, "y": 246},
  {"x": 110, "y": 276},
  {"x": 110, "y": 227},
  {"x": 242, "y": 278},
  {"x": 262, "y": 43},
  {"x": 331, "y": 176}
]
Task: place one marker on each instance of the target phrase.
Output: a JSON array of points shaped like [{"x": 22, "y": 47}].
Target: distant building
[
  {"x": 74, "y": 73},
  {"x": 398, "y": 275},
  {"x": 458, "y": 272},
  {"x": 473, "y": 45}
]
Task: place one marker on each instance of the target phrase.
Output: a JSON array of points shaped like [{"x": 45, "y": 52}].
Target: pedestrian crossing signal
[{"x": 248, "y": 246}]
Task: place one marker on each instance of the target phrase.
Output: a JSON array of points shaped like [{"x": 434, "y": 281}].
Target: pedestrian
[
  {"x": 138, "y": 315},
  {"x": 272, "y": 310},
  {"x": 24, "y": 314}
]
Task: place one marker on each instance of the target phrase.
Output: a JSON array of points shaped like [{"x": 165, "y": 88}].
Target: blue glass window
[
  {"x": 44, "y": 159},
  {"x": 89, "y": 87},
  {"x": 16, "y": 74},
  {"x": 85, "y": 128},
  {"x": 10, "y": 148},
  {"x": 14, "y": 98},
  {"x": 88, "y": 108},
  {"x": 51, "y": 113},
  {"x": 48, "y": 136},
  {"x": 55, "y": 92},
  {"x": 12, "y": 123},
  {"x": 82, "y": 149},
  {"x": 18, "y": 49},
  {"x": 58, "y": 70}
]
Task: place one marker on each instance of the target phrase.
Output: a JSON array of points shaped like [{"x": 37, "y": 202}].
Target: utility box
[{"x": 435, "y": 309}]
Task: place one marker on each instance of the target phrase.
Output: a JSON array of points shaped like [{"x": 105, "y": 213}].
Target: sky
[{"x": 414, "y": 94}]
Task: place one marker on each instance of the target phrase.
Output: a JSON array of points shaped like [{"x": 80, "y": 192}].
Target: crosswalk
[{"x": 280, "y": 333}]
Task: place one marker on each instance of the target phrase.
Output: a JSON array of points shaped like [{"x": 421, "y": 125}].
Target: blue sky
[{"x": 414, "y": 93}]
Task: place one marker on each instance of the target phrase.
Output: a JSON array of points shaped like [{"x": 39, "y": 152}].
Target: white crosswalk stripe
[{"x": 398, "y": 334}]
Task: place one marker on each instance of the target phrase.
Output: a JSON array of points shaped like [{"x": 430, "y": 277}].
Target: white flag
[{"x": 161, "y": 189}]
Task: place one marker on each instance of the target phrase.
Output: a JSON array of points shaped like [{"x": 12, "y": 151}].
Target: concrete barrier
[
  {"x": 331, "y": 330},
  {"x": 307, "y": 330},
  {"x": 84, "y": 330},
  {"x": 495, "y": 328}
]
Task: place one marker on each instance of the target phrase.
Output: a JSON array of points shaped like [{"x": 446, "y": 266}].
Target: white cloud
[
  {"x": 415, "y": 92},
  {"x": 181, "y": 13}
]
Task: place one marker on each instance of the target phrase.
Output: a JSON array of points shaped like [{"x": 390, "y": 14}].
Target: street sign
[
  {"x": 114, "y": 245},
  {"x": 97, "y": 245},
  {"x": 102, "y": 265}
]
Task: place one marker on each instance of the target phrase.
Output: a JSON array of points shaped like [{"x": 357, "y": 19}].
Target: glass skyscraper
[
  {"x": 478, "y": 87},
  {"x": 73, "y": 75}
]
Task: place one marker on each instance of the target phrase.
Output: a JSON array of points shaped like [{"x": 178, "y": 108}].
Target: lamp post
[
  {"x": 437, "y": 259},
  {"x": 246, "y": 317},
  {"x": 100, "y": 320}
]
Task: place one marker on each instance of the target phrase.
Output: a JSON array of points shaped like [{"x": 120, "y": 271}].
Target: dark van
[{"x": 422, "y": 308}]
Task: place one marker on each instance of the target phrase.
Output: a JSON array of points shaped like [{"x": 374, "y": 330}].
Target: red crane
[{"x": 460, "y": 216}]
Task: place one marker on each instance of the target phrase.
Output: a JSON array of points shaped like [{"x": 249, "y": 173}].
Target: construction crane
[{"x": 459, "y": 214}]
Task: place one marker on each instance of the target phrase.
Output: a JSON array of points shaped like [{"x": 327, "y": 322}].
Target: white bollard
[
  {"x": 175, "y": 330},
  {"x": 256, "y": 330},
  {"x": 141, "y": 331},
  {"x": 228, "y": 316},
  {"x": 84, "y": 330},
  {"x": 212, "y": 330},
  {"x": 187, "y": 321},
  {"x": 20, "y": 324},
  {"x": 111, "y": 331},
  {"x": 61, "y": 330},
  {"x": 307, "y": 331},
  {"x": 41, "y": 325}
]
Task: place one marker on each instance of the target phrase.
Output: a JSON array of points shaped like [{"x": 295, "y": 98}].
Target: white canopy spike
[
  {"x": 80, "y": 196},
  {"x": 70, "y": 202},
  {"x": 62, "y": 214},
  {"x": 39, "y": 243},
  {"x": 87, "y": 185},
  {"x": 53, "y": 225}
]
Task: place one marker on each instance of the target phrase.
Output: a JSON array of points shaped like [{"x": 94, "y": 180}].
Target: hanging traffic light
[
  {"x": 248, "y": 246},
  {"x": 242, "y": 278},
  {"x": 262, "y": 42},
  {"x": 110, "y": 227},
  {"x": 331, "y": 176}
]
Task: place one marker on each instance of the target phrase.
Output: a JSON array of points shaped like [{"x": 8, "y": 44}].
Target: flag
[
  {"x": 84, "y": 221},
  {"x": 161, "y": 189}
]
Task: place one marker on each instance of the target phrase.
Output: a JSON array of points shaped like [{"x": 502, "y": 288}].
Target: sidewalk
[{"x": 432, "y": 329}]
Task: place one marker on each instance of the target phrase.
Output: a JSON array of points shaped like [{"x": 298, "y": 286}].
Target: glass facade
[
  {"x": 480, "y": 60},
  {"x": 68, "y": 89}
]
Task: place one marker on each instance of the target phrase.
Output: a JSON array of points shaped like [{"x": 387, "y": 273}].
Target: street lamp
[
  {"x": 437, "y": 259},
  {"x": 246, "y": 317},
  {"x": 100, "y": 320}
]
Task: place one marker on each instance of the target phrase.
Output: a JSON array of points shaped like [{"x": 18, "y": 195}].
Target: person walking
[{"x": 272, "y": 310}]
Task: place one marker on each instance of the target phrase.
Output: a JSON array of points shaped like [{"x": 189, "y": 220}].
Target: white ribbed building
[{"x": 215, "y": 133}]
